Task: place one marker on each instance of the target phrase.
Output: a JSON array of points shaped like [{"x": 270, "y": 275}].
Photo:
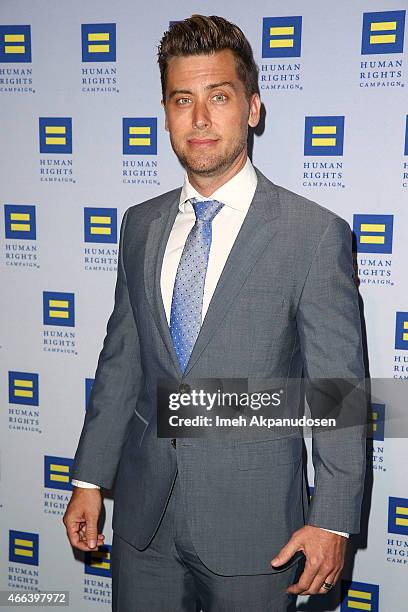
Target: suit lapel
[
  {"x": 256, "y": 232},
  {"x": 156, "y": 242}
]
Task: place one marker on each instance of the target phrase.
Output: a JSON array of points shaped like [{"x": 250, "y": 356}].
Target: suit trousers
[{"x": 168, "y": 576}]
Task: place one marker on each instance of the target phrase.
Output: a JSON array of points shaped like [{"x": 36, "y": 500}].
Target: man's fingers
[
  {"x": 331, "y": 578},
  {"x": 75, "y": 537},
  {"x": 286, "y": 552},
  {"x": 305, "y": 580},
  {"x": 316, "y": 586},
  {"x": 337, "y": 575},
  {"x": 73, "y": 533},
  {"x": 80, "y": 542},
  {"x": 84, "y": 535},
  {"x": 91, "y": 530},
  {"x": 100, "y": 540}
]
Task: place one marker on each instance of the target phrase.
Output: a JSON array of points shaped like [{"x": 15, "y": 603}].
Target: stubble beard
[{"x": 207, "y": 164}]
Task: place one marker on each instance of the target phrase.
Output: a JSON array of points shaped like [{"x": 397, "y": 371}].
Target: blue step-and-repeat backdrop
[{"x": 82, "y": 138}]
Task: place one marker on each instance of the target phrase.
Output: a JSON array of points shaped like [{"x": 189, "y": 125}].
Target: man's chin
[{"x": 206, "y": 167}]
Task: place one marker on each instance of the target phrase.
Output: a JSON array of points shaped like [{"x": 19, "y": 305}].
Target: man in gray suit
[{"x": 230, "y": 277}]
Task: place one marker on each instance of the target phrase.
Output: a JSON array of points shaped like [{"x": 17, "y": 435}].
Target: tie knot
[{"x": 207, "y": 210}]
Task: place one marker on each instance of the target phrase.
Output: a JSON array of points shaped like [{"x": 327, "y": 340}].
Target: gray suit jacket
[{"x": 285, "y": 304}]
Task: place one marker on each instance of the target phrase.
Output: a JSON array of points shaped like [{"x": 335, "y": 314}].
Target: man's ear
[{"x": 254, "y": 110}]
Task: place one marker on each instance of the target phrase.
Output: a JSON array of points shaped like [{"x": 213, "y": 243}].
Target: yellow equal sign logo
[
  {"x": 23, "y": 388},
  {"x": 359, "y": 600},
  {"x": 59, "y": 473},
  {"x": 282, "y": 36},
  {"x": 381, "y": 26},
  {"x": 376, "y": 421},
  {"x": 98, "y": 37},
  {"x": 374, "y": 418},
  {"x": 401, "y": 512},
  {"x": 405, "y": 333},
  {"x": 103, "y": 227},
  {"x": 23, "y": 548},
  {"x": 59, "y": 308},
  {"x": 139, "y": 136},
  {"x": 398, "y": 515},
  {"x": 383, "y": 32},
  {"x": 59, "y": 314},
  {"x": 15, "y": 48},
  {"x": 324, "y": 135},
  {"x": 275, "y": 43},
  {"x": 374, "y": 233},
  {"x": 19, "y": 222},
  {"x": 98, "y": 562},
  {"x": 59, "y": 135},
  {"x": 100, "y": 559}
]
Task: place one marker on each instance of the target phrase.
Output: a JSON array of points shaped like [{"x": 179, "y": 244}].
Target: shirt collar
[{"x": 236, "y": 193}]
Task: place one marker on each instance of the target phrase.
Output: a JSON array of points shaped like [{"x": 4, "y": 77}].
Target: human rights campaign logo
[
  {"x": 55, "y": 134},
  {"x": 324, "y": 135},
  {"x": 98, "y": 42},
  {"x": 57, "y": 472},
  {"x": 23, "y": 547},
  {"x": 98, "y": 562},
  {"x": 23, "y": 388},
  {"x": 406, "y": 136},
  {"x": 100, "y": 225},
  {"x": 59, "y": 308},
  {"x": 15, "y": 43},
  {"x": 19, "y": 221},
  {"x": 401, "y": 331},
  {"x": 398, "y": 515},
  {"x": 383, "y": 32},
  {"x": 376, "y": 422},
  {"x": 359, "y": 596},
  {"x": 281, "y": 36},
  {"x": 373, "y": 233},
  {"x": 140, "y": 136}
]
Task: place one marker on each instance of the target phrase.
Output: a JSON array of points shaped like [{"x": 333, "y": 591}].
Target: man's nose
[{"x": 201, "y": 116}]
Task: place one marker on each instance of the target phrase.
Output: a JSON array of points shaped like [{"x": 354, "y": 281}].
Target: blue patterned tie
[{"x": 188, "y": 291}]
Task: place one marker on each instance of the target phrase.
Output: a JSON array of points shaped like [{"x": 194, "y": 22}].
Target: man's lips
[{"x": 200, "y": 142}]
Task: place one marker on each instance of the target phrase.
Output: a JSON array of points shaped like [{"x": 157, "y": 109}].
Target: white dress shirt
[{"x": 236, "y": 195}]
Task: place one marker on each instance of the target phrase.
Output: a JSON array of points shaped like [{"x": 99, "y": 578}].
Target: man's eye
[
  {"x": 183, "y": 100},
  {"x": 220, "y": 97}
]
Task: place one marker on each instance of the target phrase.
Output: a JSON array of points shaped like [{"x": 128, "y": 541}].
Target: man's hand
[
  {"x": 324, "y": 552},
  {"x": 81, "y": 519}
]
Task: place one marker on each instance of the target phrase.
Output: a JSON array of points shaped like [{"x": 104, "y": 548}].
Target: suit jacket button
[
  {"x": 173, "y": 442},
  {"x": 184, "y": 388}
]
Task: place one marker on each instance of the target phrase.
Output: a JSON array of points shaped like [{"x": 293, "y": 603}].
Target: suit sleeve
[
  {"x": 329, "y": 329},
  {"x": 114, "y": 394}
]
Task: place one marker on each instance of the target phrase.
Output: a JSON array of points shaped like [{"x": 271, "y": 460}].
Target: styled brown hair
[{"x": 202, "y": 35}]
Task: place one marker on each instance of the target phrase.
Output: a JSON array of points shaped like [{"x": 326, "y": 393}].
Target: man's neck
[{"x": 206, "y": 185}]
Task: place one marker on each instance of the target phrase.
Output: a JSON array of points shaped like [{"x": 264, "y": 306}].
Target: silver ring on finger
[{"x": 327, "y": 585}]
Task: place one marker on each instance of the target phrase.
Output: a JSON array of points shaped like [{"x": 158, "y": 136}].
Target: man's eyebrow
[{"x": 175, "y": 92}]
